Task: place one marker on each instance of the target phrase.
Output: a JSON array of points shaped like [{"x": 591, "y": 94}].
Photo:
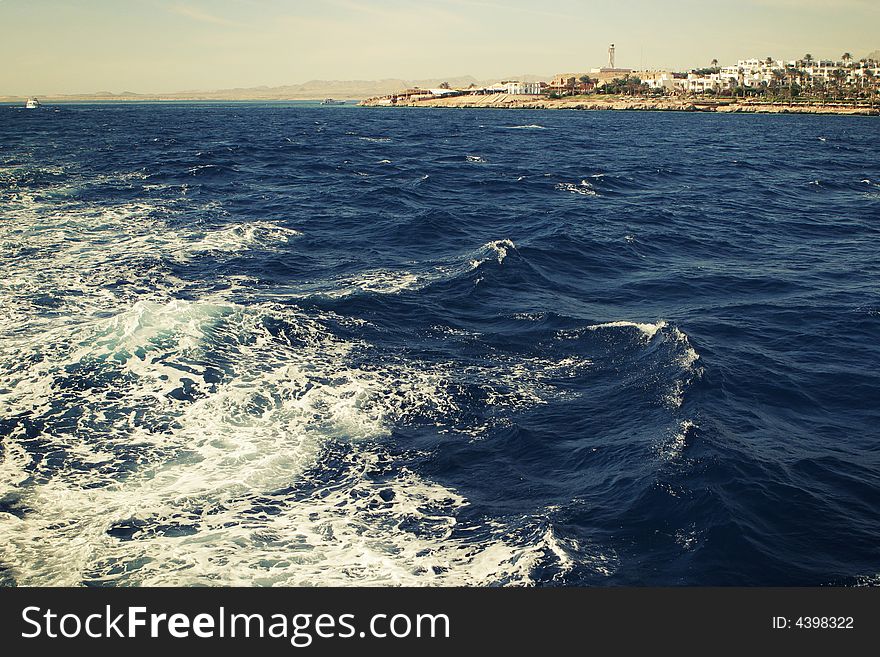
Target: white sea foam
[
  {"x": 388, "y": 281},
  {"x": 204, "y": 470},
  {"x": 497, "y": 250},
  {"x": 196, "y": 170},
  {"x": 672, "y": 448},
  {"x": 689, "y": 355},
  {"x": 192, "y": 415},
  {"x": 648, "y": 330},
  {"x": 531, "y": 126},
  {"x": 584, "y": 188},
  {"x": 476, "y": 159},
  {"x": 244, "y": 235},
  {"x": 374, "y": 281},
  {"x": 207, "y": 442},
  {"x": 81, "y": 260}
]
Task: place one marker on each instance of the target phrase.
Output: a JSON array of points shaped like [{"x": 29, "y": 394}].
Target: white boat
[
  {"x": 331, "y": 101},
  {"x": 32, "y": 103}
]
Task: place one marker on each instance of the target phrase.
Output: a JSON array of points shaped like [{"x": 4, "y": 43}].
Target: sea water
[{"x": 283, "y": 344}]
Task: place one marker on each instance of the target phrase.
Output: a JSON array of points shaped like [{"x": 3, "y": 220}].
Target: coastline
[
  {"x": 663, "y": 103},
  {"x": 61, "y": 100}
]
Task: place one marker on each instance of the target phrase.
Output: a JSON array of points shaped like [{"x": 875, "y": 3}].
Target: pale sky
[{"x": 149, "y": 46}]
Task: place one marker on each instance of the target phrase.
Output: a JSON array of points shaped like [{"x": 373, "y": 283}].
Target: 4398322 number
[{"x": 824, "y": 622}]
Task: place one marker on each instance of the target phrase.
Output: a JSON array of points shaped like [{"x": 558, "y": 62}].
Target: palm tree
[
  {"x": 777, "y": 80},
  {"x": 788, "y": 75},
  {"x": 846, "y": 57},
  {"x": 821, "y": 88},
  {"x": 807, "y": 78},
  {"x": 585, "y": 80},
  {"x": 809, "y": 81},
  {"x": 714, "y": 63},
  {"x": 839, "y": 78},
  {"x": 869, "y": 81}
]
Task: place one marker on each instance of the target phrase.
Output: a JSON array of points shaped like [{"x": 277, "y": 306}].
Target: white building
[
  {"x": 517, "y": 88},
  {"x": 760, "y": 72},
  {"x": 696, "y": 83},
  {"x": 656, "y": 79}
]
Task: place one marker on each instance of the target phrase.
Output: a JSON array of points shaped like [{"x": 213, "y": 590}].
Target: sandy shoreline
[
  {"x": 505, "y": 101},
  {"x": 60, "y": 100}
]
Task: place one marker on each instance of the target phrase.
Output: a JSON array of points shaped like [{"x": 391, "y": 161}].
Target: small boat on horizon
[
  {"x": 32, "y": 103},
  {"x": 332, "y": 101}
]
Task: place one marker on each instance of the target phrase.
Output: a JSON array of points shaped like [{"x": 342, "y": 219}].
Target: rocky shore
[{"x": 506, "y": 101}]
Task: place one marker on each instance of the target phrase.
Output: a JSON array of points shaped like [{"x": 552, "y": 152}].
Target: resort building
[
  {"x": 517, "y": 88},
  {"x": 569, "y": 83},
  {"x": 664, "y": 80},
  {"x": 696, "y": 83},
  {"x": 565, "y": 82}
]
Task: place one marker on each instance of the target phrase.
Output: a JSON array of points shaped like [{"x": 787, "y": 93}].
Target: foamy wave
[
  {"x": 387, "y": 281},
  {"x": 200, "y": 168},
  {"x": 377, "y": 281},
  {"x": 584, "y": 188},
  {"x": 81, "y": 260},
  {"x": 498, "y": 250},
  {"x": 674, "y": 447},
  {"x": 683, "y": 355},
  {"x": 689, "y": 355},
  {"x": 177, "y": 461},
  {"x": 531, "y": 126},
  {"x": 244, "y": 235},
  {"x": 368, "y": 529},
  {"x": 648, "y": 330}
]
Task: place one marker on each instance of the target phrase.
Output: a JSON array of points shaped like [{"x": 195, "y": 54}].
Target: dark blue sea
[{"x": 285, "y": 344}]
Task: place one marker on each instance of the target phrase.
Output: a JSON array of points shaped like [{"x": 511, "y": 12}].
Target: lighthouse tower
[{"x": 609, "y": 71}]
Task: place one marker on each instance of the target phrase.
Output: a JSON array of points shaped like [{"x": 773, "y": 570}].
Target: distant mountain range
[{"x": 311, "y": 90}]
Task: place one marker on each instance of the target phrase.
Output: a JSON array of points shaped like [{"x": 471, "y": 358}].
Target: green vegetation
[{"x": 626, "y": 86}]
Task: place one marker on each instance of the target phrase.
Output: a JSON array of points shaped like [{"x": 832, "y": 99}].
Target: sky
[{"x": 152, "y": 46}]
